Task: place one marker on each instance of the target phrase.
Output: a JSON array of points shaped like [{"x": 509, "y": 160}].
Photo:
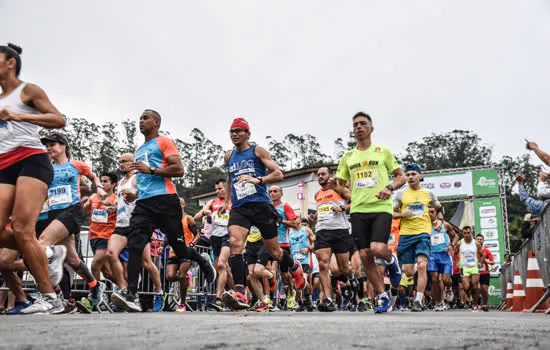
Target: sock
[
  {"x": 419, "y": 297},
  {"x": 402, "y": 299},
  {"x": 392, "y": 260},
  {"x": 237, "y": 269},
  {"x": 393, "y": 299},
  {"x": 83, "y": 271},
  {"x": 49, "y": 252},
  {"x": 361, "y": 291},
  {"x": 270, "y": 274}
]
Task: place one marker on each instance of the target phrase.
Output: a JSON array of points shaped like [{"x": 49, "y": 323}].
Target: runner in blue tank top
[
  {"x": 301, "y": 244},
  {"x": 247, "y": 165},
  {"x": 440, "y": 263}
]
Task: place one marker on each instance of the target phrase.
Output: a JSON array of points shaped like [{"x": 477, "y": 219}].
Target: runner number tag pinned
[
  {"x": 60, "y": 195},
  {"x": 366, "y": 178}
]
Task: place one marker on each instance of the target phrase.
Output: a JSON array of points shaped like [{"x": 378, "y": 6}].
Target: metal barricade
[{"x": 540, "y": 244}]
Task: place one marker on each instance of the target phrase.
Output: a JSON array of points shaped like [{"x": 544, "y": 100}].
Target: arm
[
  {"x": 490, "y": 259},
  {"x": 96, "y": 182},
  {"x": 452, "y": 235},
  {"x": 275, "y": 173},
  {"x": 204, "y": 211},
  {"x": 397, "y": 214},
  {"x": 340, "y": 188},
  {"x": 543, "y": 156},
  {"x": 34, "y": 96},
  {"x": 536, "y": 206},
  {"x": 174, "y": 167},
  {"x": 86, "y": 206},
  {"x": 480, "y": 257},
  {"x": 292, "y": 220}
]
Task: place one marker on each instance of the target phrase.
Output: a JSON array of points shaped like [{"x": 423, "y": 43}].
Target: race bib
[
  {"x": 60, "y": 195},
  {"x": 471, "y": 261},
  {"x": 100, "y": 216},
  {"x": 45, "y": 207},
  {"x": 244, "y": 189},
  {"x": 366, "y": 178},
  {"x": 391, "y": 240},
  {"x": 143, "y": 158},
  {"x": 482, "y": 268},
  {"x": 221, "y": 220},
  {"x": 298, "y": 255},
  {"x": 254, "y": 230},
  {"x": 417, "y": 209},
  {"x": 324, "y": 212},
  {"x": 438, "y": 238}
]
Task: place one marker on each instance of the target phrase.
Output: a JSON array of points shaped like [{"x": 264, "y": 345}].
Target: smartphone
[{"x": 527, "y": 144}]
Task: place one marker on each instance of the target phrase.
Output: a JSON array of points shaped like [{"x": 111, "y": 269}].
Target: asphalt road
[{"x": 282, "y": 330}]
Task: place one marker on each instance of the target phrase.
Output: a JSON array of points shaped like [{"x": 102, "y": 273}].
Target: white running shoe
[
  {"x": 55, "y": 263},
  {"x": 44, "y": 305}
]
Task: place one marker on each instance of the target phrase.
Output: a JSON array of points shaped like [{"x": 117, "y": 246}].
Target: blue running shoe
[
  {"x": 19, "y": 305},
  {"x": 384, "y": 304},
  {"x": 159, "y": 302},
  {"x": 394, "y": 271}
]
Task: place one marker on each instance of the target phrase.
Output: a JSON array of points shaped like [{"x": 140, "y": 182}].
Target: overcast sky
[{"x": 296, "y": 66}]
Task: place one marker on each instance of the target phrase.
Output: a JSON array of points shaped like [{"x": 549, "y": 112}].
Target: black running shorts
[
  {"x": 72, "y": 217},
  {"x": 256, "y": 253},
  {"x": 370, "y": 227},
  {"x": 337, "y": 240},
  {"x": 218, "y": 243},
  {"x": 484, "y": 279},
  {"x": 37, "y": 166},
  {"x": 262, "y": 215}
]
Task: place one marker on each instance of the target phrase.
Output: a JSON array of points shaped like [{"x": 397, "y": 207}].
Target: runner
[
  {"x": 289, "y": 221},
  {"x": 256, "y": 256},
  {"x": 219, "y": 239},
  {"x": 175, "y": 265},
  {"x": 440, "y": 263},
  {"x": 157, "y": 206},
  {"x": 248, "y": 165},
  {"x": 367, "y": 166},
  {"x": 395, "y": 280},
  {"x": 102, "y": 210},
  {"x": 484, "y": 273},
  {"x": 411, "y": 206},
  {"x": 301, "y": 244},
  {"x": 25, "y": 174},
  {"x": 331, "y": 237},
  {"x": 127, "y": 194},
  {"x": 471, "y": 257}
]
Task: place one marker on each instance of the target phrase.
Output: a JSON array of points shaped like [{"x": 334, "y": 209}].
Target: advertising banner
[
  {"x": 485, "y": 182},
  {"x": 449, "y": 185},
  {"x": 488, "y": 214}
]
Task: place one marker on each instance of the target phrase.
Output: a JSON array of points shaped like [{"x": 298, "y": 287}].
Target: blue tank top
[
  {"x": 246, "y": 163},
  {"x": 440, "y": 240},
  {"x": 64, "y": 189},
  {"x": 298, "y": 241}
]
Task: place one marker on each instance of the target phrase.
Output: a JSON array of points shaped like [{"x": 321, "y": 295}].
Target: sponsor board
[
  {"x": 490, "y": 234},
  {"x": 488, "y": 222},
  {"x": 488, "y": 211},
  {"x": 491, "y": 245}
]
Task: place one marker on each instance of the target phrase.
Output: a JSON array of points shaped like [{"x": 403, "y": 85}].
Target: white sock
[
  {"x": 49, "y": 252},
  {"x": 419, "y": 297},
  {"x": 393, "y": 299}
]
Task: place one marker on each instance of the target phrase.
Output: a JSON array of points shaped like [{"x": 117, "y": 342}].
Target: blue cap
[{"x": 413, "y": 167}]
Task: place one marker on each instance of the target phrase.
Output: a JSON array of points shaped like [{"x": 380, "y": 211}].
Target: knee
[
  {"x": 221, "y": 265},
  {"x": 258, "y": 273},
  {"x": 24, "y": 229},
  {"x": 276, "y": 253},
  {"x": 422, "y": 264},
  {"x": 236, "y": 245},
  {"x": 323, "y": 265},
  {"x": 435, "y": 279}
]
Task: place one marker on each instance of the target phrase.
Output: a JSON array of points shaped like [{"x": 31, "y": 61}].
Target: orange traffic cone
[
  {"x": 509, "y": 295},
  {"x": 534, "y": 286},
  {"x": 519, "y": 293}
]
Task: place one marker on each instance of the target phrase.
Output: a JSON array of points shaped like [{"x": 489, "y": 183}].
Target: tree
[
  {"x": 130, "y": 133},
  {"x": 339, "y": 149},
  {"x": 83, "y": 137},
  {"x": 278, "y": 151},
  {"x": 106, "y": 158},
  {"x": 455, "y": 149}
]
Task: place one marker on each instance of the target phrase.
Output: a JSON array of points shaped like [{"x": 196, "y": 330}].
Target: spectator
[
  {"x": 528, "y": 226},
  {"x": 543, "y": 156},
  {"x": 543, "y": 187},
  {"x": 534, "y": 205}
]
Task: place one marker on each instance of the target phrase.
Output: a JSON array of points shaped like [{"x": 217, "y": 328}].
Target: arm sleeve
[
  {"x": 167, "y": 147},
  {"x": 289, "y": 212},
  {"x": 83, "y": 168}
]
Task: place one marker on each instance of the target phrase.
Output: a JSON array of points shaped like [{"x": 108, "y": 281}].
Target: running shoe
[
  {"x": 291, "y": 301},
  {"x": 394, "y": 271},
  {"x": 476, "y": 308},
  {"x": 449, "y": 295},
  {"x": 260, "y": 306},
  {"x": 158, "y": 304},
  {"x": 297, "y": 273},
  {"x": 44, "y": 305},
  {"x": 309, "y": 306},
  {"x": 181, "y": 308},
  {"x": 216, "y": 305},
  {"x": 268, "y": 301},
  {"x": 362, "y": 307},
  {"x": 484, "y": 308},
  {"x": 126, "y": 301},
  {"x": 3, "y": 311},
  {"x": 403, "y": 309},
  {"x": 207, "y": 268},
  {"x": 70, "y": 307},
  {"x": 369, "y": 304},
  {"x": 384, "y": 304},
  {"x": 438, "y": 307},
  {"x": 19, "y": 306},
  {"x": 417, "y": 307},
  {"x": 96, "y": 293},
  {"x": 55, "y": 263},
  {"x": 84, "y": 306},
  {"x": 353, "y": 307},
  {"x": 347, "y": 296},
  {"x": 301, "y": 307},
  {"x": 235, "y": 300},
  {"x": 331, "y": 307}
]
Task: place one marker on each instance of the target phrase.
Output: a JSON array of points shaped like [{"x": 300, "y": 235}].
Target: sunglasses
[{"x": 236, "y": 131}]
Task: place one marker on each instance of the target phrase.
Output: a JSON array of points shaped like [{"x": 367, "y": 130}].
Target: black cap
[{"x": 55, "y": 137}]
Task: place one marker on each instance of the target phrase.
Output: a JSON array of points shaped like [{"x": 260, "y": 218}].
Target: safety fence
[
  {"x": 199, "y": 292},
  {"x": 540, "y": 245}
]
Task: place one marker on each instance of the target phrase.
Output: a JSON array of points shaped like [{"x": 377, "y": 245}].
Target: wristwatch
[
  {"x": 390, "y": 187},
  {"x": 260, "y": 178},
  {"x": 152, "y": 170}
]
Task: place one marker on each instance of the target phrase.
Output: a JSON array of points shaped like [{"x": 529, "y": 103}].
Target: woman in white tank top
[{"x": 25, "y": 174}]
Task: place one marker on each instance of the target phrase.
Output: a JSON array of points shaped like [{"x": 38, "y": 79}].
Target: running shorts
[
  {"x": 468, "y": 271},
  {"x": 98, "y": 243},
  {"x": 411, "y": 246},
  {"x": 440, "y": 262},
  {"x": 72, "y": 217},
  {"x": 336, "y": 240},
  {"x": 256, "y": 253},
  {"x": 370, "y": 227},
  {"x": 262, "y": 215},
  {"x": 122, "y": 231},
  {"x": 457, "y": 279},
  {"x": 37, "y": 166},
  {"x": 218, "y": 243},
  {"x": 484, "y": 279}
]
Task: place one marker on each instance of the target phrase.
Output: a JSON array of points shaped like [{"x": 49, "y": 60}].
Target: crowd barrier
[
  {"x": 540, "y": 245},
  {"x": 199, "y": 294}
]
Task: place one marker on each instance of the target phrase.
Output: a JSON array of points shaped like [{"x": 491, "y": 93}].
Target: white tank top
[
  {"x": 18, "y": 134},
  {"x": 124, "y": 211},
  {"x": 468, "y": 252}
]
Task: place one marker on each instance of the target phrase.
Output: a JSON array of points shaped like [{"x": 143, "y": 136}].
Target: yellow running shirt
[
  {"x": 417, "y": 201},
  {"x": 368, "y": 172}
]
